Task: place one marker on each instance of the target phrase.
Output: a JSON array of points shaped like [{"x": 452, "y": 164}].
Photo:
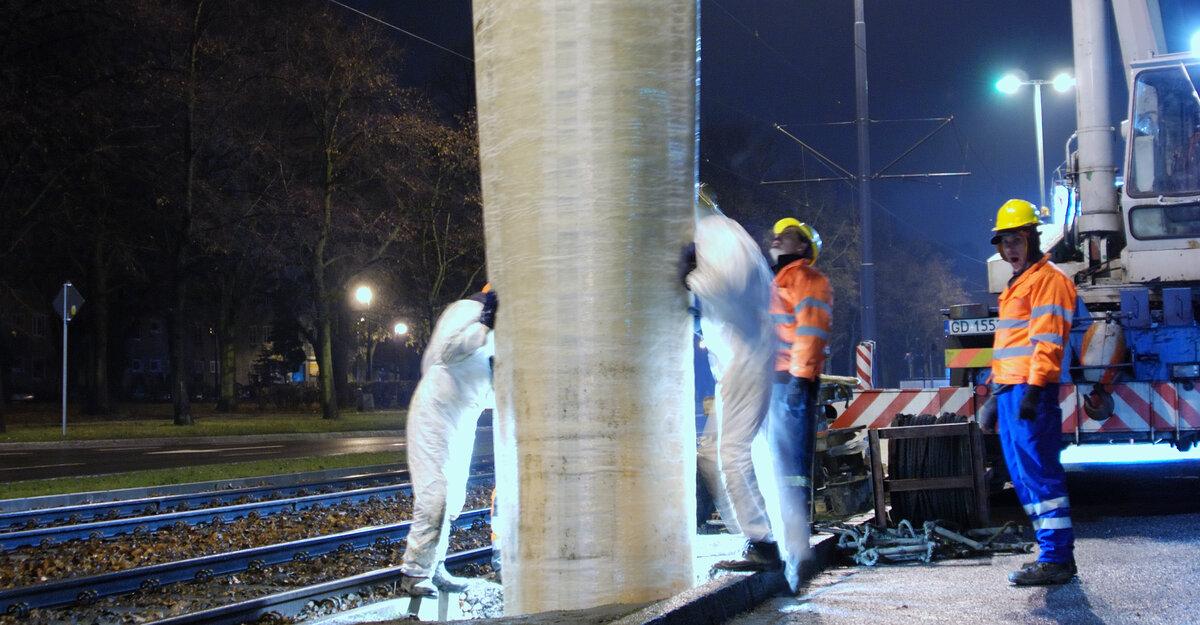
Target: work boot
[
  {"x": 445, "y": 582},
  {"x": 416, "y": 586},
  {"x": 757, "y": 556},
  {"x": 1033, "y": 563},
  {"x": 1043, "y": 574}
]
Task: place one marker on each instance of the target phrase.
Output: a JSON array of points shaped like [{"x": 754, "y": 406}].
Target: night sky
[{"x": 791, "y": 62}]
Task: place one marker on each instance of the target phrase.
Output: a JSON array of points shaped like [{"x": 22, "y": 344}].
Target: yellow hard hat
[
  {"x": 1015, "y": 214},
  {"x": 810, "y": 233}
]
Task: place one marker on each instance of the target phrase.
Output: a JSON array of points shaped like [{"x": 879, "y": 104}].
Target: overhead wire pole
[{"x": 862, "y": 121}]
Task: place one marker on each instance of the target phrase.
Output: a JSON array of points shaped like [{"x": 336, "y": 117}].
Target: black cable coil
[{"x": 943, "y": 456}]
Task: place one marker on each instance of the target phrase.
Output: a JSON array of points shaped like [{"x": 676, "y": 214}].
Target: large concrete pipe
[{"x": 587, "y": 127}]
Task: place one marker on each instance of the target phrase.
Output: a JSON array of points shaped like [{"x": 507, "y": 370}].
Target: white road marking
[
  {"x": 215, "y": 450},
  {"x": 44, "y": 466},
  {"x": 252, "y": 453}
]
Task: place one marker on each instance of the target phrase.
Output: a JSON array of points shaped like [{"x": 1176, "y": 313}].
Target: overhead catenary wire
[{"x": 401, "y": 30}]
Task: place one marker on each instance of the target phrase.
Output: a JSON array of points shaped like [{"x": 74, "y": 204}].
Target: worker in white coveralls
[
  {"x": 731, "y": 281},
  {"x": 455, "y": 387}
]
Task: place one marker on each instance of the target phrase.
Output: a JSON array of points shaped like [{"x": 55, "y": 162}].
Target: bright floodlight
[
  {"x": 364, "y": 295},
  {"x": 1009, "y": 84},
  {"x": 1063, "y": 82},
  {"x": 400, "y": 329}
]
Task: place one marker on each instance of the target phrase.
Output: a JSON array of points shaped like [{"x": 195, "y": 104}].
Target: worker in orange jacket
[
  {"x": 802, "y": 309},
  {"x": 1036, "y": 310}
]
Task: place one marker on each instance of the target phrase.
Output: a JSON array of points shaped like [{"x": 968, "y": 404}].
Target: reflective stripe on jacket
[
  {"x": 802, "y": 309},
  {"x": 1035, "y": 318}
]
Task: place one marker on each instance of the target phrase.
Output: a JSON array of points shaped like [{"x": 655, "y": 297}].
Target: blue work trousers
[
  {"x": 1031, "y": 451},
  {"x": 791, "y": 432}
]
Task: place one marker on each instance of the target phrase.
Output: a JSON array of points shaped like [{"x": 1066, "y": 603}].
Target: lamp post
[
  {"x": 365, "y": 295},
  {"x": 1010, "y": 84}
]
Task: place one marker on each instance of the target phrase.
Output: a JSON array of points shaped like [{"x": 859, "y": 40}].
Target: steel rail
[
  {"x": 292, "y": 602},
  {"x": 104, "y": 510},
  {"x": 108, "y": 508},
  {"x": 84, "y": 590},
  {"x": 114, "y": 527}
]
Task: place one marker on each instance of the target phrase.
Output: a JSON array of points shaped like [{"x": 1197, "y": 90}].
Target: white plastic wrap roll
[{"x": 587, "y": 125}]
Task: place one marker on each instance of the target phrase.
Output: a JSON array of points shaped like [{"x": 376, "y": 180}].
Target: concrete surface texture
[{"x": 1131, "y": 570}]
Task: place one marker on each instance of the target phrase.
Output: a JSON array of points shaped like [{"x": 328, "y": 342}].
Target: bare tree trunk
[
  {"x": 227, "y": 350},
  {"x": 179, "y": 362},
  {"x": 179, "y": 357},
  {"x": 100, "y": 399},
  {"x": 3, "y": 392},
  {"x": 343, "y": 357},
  {"x": 326, "y": 374}
]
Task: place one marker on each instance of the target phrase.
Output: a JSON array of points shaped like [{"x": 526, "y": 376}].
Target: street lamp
[
  {"x": 364, "y": 295},
  {"x": 1010, "y": 84},
  {"x": 400, "y": 329}
]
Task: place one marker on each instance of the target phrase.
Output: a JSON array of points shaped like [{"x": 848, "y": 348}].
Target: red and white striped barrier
[
  {"x": 1138, "y": 407},
  {"x": 877, "y": 408},
  {"x": 864, "y": 364}
]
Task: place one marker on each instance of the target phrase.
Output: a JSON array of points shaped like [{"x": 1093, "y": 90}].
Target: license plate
[{"x": 964, "y": 327}]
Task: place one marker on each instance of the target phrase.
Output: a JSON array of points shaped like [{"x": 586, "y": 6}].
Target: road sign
[
  {"x": 68, "y": 302},
  {"x": 67, "y": 306}
]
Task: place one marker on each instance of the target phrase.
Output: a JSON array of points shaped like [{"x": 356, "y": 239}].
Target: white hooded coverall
[
  {"x": 733, "y": 285},
  {"x": 455, "y": 387}
]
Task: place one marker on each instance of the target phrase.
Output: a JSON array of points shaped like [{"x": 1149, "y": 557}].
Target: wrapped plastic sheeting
[
  {"x": 587, "y": 125},
  {"x": 733, "y": 285}
]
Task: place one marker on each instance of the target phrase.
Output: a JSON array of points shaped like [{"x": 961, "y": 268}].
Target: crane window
[
  {"x": 1164, "y": 138},
  {"x": 1165, "y": 222}
]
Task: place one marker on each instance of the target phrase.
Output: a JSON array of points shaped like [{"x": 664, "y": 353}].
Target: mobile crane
[{"x": 1131, "y": 244}]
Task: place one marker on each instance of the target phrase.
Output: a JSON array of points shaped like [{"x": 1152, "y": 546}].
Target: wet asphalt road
[
  {"x": 32, "y": 464},
  {"x": 1137, "y": 528}
]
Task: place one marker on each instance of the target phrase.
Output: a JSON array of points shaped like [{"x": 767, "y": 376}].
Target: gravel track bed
[
  {"x": 38, "y": 564},
  {"x": 150, "y": 605}
]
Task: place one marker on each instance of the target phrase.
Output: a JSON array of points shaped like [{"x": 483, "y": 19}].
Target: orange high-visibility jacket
[
  {"x": 802, "y": 309},
  {"x": 1035, "y": 318}
]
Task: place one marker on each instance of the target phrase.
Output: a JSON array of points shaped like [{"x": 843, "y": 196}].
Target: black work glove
[
  {"x": 490, "y": 304},
  {"x": 988, "y": 415},
  {"x": 796, "y": 388},
  {"x": 1033, "y": 394},
  {"x": 687, "y": 262}
]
